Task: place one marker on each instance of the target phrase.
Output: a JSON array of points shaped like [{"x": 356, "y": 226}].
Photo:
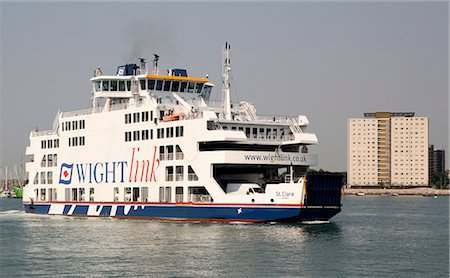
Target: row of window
[
  {"x": 179, "y": 173},
  {"x": 73, "y": 125},
  {"x": 138, "y": 135},
  {"x": 259, "y": 133},
  {"x": 173, "y": 86},
  {"x": 49, "y": 160},
  {"x": 169, "y": 132},
  {"x": 170, "y": 152},
  {"x": 45, "y": 178},
  {"x": 138, "y": 117},
  {"x": 76, "y": 141},
  {"x": 50, "y": 143},
  {"x": 45, "y": 194},
  {"x": 112, "y": 85}
]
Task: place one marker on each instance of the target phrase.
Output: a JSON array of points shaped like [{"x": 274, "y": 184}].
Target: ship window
[
  {"x": 199, "y": 194},
  {"x": 169, "y": 152},
  {"x": 169, "y": 132},
  {"x": 255, "y": 133},
  {"x": 161, "y": 153},
  {"x": 261, "y": 133},
  {"x": 247, "y": 132},
  {"x": 43, "y": 194},
  {"x": 116, "y": 194},
  {"x": 179, "y": 153},
  {"x": 121, "y": 85},
  {"x": 159, "y": 85},
  {"x": 145, "y": 134},
  {"x": 179, "y": 172},
  {"x": 179, "y": 131},
  {"x": 136, "y": 118},
  {"x": 151, "y": 84},
  {"x": 82, "y": 124},
  {"x": 144, "y": 193},
  {"x": 206, "y": 92},
  {"x": 168, "y": 194},
  {"x": 151, "y": 134},
  {"x": 49, "y": 177},
  {"x": 192, "y": 176},
  {"x": 179, "y": 194},
  {"x": 50, "y": 160},
  {"x": 151, "y": 115},
  {"x": 275, "y": 135},
  {"x": 191, "y": 86},
  {"x": 145, "y": 116},
  {"x": 167, "y": 85},
  {"x": 55, "y": 160},
  {"x": 91, "y": 194},
  {"x": 136, "y": 135},
  {"x": 82, "y": 141},
  {"x": 143, "y": 83},
  {"x": 42, "y": 177},
  {"x": 113, "y": 85},
  {"x": 44, "y": 161},
  {"x": 161, "y": 194},
  {"x": 128, "y": 136},
  {"x": 128, "y": 85},
  {"x": 75, "y": 125},
  {"x": 105, "y": 85},
  {"x": 183, "y": 86},
  {"x": 169, "y": 173},
  {"x": 127, "y": 196},
  {"x": 136, "y": 194},
  {"x": 50, "y": 194},
  {"x": 96, "y": 86},
  {"x": 175, "y": 86},
  {"x": 81, "y": 195},
  {"x": 43, "y": 144},
  {"x": 36, "y": 179},
  {"x": 268, "y": 133},
  {"x": 198, "y": 88},
  {"x": 74, "y": 194},
  {"x": 127, "y": 118}
]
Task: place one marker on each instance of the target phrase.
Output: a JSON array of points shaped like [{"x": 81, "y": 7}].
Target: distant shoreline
[{"x": 423, "y": 191}]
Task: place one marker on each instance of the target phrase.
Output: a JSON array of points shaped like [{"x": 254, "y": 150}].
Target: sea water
[{"x": 373, "y": 236}]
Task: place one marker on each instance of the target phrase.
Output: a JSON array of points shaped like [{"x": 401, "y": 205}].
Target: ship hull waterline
[{"x": 187, "y": 212}]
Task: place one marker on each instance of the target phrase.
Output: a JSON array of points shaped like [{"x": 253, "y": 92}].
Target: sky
[{"x": 329, "y": 61}]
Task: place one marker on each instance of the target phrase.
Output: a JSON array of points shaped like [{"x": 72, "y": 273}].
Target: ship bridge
[{"x": 132, "y": 82}]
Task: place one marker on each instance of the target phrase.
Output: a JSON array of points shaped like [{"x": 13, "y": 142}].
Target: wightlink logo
[{"x": 137, "y": 169}]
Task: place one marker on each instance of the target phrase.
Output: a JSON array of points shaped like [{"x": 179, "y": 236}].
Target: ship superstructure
[{"x": 154, "y": 146}]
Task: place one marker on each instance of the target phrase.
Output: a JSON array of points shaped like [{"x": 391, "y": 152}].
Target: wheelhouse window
[
  {"x": 175, "y": 86},
  {"x": 121, "y": 85},
  {"x": 159, "y": 85},
  {"x": 113, "y": 85},
  {"x": 96, "y": 86},
  {"x": 183, "y": 86},
  {"x": 143, "y": 84},
  {"x": 151, "y": 84},
  {"x": 167, "y": 85},
  {"x": 105, "y": 85}
]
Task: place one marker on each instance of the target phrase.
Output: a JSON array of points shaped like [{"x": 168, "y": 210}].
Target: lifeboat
[{"x": 173, "y": 117}]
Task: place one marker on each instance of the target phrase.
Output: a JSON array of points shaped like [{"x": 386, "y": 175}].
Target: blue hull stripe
[{"x": 219, "y": 213}]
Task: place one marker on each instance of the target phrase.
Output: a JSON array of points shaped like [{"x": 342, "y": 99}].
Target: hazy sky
[{"x": 327, "y": 60}]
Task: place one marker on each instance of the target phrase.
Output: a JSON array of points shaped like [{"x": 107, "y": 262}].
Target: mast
[{"x": 226, "y": 68}]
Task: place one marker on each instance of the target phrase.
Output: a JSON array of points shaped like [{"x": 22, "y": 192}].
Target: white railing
[{"x": 35, "y": 133}]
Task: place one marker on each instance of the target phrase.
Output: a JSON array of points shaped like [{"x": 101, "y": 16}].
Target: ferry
[{"x": 154, "y": 146}]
